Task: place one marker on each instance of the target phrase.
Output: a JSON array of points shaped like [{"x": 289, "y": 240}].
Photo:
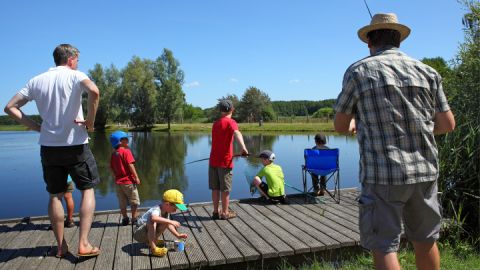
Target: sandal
[
  {"x": 69, "y": 223},
  {"x": 215, "y": 216},
  {"x": 125, "y": 221},
  {"x": 230, "y": 214}
]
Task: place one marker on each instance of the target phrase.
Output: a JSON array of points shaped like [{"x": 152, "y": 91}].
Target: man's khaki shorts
[
  {"x": 383, "y": 209},
  {"x": 127, "y": 194},
  {"x": 220, "y": 178}
]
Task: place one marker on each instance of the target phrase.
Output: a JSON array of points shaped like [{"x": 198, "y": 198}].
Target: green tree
[
  {"x": 326, "y": 112},
  {"x": 459, "y": 151},
  {"x": 213, "y": 113},
  {"x": 169, "y": 79},
  {"x": 440, "y": 65},
  {"x": 192, "y": 113},
  {"x": 138, "y": 94},
  {"x": 108, "y": 81},
  {"x": 113, "y": 79},
  {"x": 255, "y": 105}
]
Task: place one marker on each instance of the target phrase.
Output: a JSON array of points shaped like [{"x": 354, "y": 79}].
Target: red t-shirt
[
  {"x": 221, "y": 154},
  {"x": 119, "y": 161}
]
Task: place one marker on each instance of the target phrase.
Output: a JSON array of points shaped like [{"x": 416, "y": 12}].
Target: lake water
[{"x": 161, "y": 165}]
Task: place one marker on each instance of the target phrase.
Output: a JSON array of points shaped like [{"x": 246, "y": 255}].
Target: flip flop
[{"x": 95, "y": 251}]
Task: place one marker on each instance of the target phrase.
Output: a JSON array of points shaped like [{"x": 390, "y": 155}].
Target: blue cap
[{"x": 116, "y": 137}]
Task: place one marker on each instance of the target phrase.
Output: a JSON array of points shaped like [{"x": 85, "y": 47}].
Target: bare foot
[
  {"x": 62, "y": 250},
  {"x": 89, "y": 251}
]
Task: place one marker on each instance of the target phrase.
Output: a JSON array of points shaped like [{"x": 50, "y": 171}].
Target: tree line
[{"x": 147, "y": 91}]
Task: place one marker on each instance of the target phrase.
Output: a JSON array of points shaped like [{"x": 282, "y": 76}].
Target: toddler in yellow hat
[{"x": 154, "y": 222}]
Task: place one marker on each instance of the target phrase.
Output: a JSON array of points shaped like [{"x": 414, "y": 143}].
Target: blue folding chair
[{"x": 323, "y": 162}]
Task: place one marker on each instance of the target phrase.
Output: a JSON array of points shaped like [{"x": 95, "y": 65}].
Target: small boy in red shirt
[{"x": 126, "y": 177}]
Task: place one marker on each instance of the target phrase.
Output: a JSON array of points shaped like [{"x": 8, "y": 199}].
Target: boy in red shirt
[
  {"x": 126, "y": 177},
  {"x": 220, "y": 167}
]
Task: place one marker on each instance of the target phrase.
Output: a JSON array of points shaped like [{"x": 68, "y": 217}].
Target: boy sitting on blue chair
[{"x": 274, "y": 188}]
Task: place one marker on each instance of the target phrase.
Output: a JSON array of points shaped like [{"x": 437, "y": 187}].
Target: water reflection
[{"x": 160, "y": 162}]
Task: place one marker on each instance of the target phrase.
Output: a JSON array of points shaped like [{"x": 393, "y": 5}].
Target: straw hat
[{"x": 384, "y": 21}]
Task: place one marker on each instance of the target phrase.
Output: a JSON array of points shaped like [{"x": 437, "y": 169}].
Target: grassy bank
[
  {"x": 252, "y": 127},
  {"x": 462, "y": 257},
  {"x": 12, "y": 128},
  {"x": 206, "y": 127}
]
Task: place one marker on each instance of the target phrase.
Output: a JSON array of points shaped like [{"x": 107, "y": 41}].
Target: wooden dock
[{"x": 262, "y": 234}]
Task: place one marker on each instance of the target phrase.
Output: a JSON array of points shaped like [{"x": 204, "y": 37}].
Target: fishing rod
[
  {"x": 365, "y": 1},
  {"x": 301, "y": 191},
  {"x": 203, "y": 159}
]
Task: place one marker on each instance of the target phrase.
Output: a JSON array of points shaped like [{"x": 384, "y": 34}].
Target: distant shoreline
[{"x": 206, "y": 127}]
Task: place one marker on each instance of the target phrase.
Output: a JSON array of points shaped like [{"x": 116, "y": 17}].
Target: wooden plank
[
  {"x": 318, "y": 226},
  {"x": 344, "y": 235},
  {"x": 210, "y": 250},
  {"x": 11, "y": 232},
  {"x": 302, "y": 224},
  {"x": 265, "y": 249},
  {"x": 140, "y": 252},
  {"x": 123, "y": 249},
  {"x": 257, "y": 224},
  {"x": 298, "y": 239},
  {"x": 50, "y": 262},
  {"x": 95, "y": 238},
  {"x": 41, "y": 246},
  {"x": 231, "y": 253},
  {"x": 69, "y": 261},
  {"x": 109, "y": 240},
  {"x": 194, "y": 253},
  {"x": 178, "y": 259},
  {"x": 249, "y": 253},
  {"x": 16, "y": 250},
  {"x": 331, "y": 213}
]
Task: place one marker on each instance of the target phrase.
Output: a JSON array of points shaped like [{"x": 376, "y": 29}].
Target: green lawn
[
  {"x": 463, "y": 257},
  {"x": 295, "y": 127},
  {"x": 12, "y": 128}
]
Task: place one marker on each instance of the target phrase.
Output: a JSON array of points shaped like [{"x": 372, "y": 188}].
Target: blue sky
[{"x": 291, "y": 50}]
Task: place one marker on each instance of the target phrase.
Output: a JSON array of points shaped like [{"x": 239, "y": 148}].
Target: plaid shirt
[{"x": 394, "y": 99}]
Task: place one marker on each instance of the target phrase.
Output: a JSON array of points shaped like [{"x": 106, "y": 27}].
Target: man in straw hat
[{"x": 397, "y": 104}]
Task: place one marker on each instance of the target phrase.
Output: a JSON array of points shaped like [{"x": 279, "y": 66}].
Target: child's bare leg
[
  {"x": 70, "y": 205},
  {"x": 215, "y": 199},
  {"x": 257, "y": 182},
  {"x": 123, "y": 211},
  {"x": 225, "y": 202},
  {"x": 153, "y": 231},
  {"x": 134, "y": 211}
]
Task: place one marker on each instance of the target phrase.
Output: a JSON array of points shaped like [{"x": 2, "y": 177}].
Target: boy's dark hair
[
  {"x": 225, "y": 105},
  {"x": 62, "y": 52},
  {"x": 320, "y": 139},
  {"x": 384, "y": 37}
]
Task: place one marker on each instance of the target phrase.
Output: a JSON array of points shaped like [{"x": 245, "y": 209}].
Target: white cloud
[
  {"x": 233, "y": 80},
  {"x": 192, "y": 84},
  {"x": 294, "y": 81}
]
